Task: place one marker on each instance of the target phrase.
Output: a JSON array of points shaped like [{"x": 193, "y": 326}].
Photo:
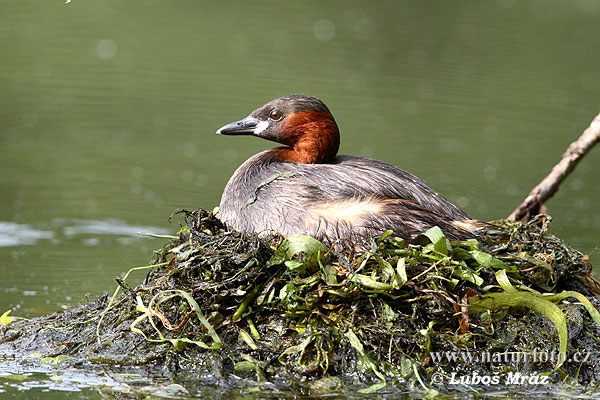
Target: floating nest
[{"x": 234, "y": 311}]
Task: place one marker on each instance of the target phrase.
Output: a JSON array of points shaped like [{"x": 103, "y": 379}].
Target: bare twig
[{"x": 546, "y": 188}]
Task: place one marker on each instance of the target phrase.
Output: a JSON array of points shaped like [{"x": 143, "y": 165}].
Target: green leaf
[
  {"x": 253, "y": 329},
  {"x": 244, "y": 367},
  {"x": 358, "y": 346},
  {"x": 299, "y": 253},
  {"x": 370, "y": 283},
  {"x": 466, "y": 274},
  {"x": 246, "y": 338},
  {"x": 389, "y": 315},
  {"x": 525, "y": 256},
  {"x": 386, "y": 234},
  {"x": 504, "y": 282},
  {"x": 239, "y": 313},
  {"x": 582, "y": 299},
  {"x": 469, "y": 244},
  {"x": 373, "y": 388},
  {"x": 386, "y": 268},
  {"x": 329, "y": 273},
  {"x": 295, "y": 349},
  {"x": 177, "y": 343},
  {"x": 438, "y": 239},
  {"x": 58, "y": 360},
  {"x": 486, "y": 260},
  {"x": 401, "y": 276},
  {"x": 294, "y": 265},
  {"x": 496, "y": 301},
  {"x": 114, "y": 296},
  {"x": 286, "y": 290}
]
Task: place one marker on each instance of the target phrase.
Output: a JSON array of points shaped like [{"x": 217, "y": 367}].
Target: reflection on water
[
  {"x": 77, "y": 227},
  {"x": 43, "y": 382},
  {"x": 12, "y": 234},
  {"x": 52, "y": 267}
]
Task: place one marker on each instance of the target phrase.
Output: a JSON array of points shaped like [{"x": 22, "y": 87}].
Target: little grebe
[{"x": 305, "y": 187}]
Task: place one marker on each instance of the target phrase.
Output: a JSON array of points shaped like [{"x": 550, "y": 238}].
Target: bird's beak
[{"x": 246, "y": 126}]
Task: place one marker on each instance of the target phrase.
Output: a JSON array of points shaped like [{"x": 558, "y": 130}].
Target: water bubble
[
  {"x": 136, "y": 189},
  {"x": 324, "y": 30},
  {"x": 106, "y": 49},
  {"x": 513, "y": 190},
  {"x": 187, "y": 176},
  {"x": 489, "y": 172},
  {"x": 361, "y": 24},
  {"x": 201, "y": 180},
  {"x": 160, "y": 123},
  {"x": 577, "y": 184},
  {"x": 463, "y": 202},
  {"x": 581, "y": 204},
  {"x": 449, "y": 144},
  {"x": 190, "y": 149},
  {"x": 137, "y": 172},
  {"x": 482, "y": 208},
  {"x": 149, "y": 195},
  {"x": 588, "y": 6}
]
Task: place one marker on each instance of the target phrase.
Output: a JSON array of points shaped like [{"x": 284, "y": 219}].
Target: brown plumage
[{"x": 303, "y": 187}]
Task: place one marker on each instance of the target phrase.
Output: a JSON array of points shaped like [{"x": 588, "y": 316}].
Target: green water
[{"x": 108, "y": 112}]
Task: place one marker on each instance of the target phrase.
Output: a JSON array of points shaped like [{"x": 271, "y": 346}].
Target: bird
[{"x": 305, "y": 187}]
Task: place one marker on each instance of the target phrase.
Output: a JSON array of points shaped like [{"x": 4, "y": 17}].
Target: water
[{"x": 108, "y": 112}]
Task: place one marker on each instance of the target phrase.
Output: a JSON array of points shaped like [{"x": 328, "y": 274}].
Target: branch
[{"x": 546, "y": 188}]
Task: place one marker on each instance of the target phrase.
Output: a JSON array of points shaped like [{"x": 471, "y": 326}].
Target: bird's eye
[{"x": 275, "y": 115}]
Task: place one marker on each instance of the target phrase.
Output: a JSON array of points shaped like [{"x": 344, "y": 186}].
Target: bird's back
[{"x": 352, "y": 198}]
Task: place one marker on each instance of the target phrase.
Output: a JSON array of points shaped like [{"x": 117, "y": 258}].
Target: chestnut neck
[{"x": 312, "y": 137}]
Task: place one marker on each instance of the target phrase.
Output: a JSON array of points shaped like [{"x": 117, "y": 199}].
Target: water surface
[{"x": 108, "y": 112}]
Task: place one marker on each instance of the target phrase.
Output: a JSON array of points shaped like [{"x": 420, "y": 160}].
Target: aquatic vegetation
[{"x": 220, "y": 307}]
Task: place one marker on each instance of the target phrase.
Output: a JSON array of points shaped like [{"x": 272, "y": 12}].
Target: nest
[{"x": 233, "y": 310}]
